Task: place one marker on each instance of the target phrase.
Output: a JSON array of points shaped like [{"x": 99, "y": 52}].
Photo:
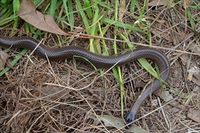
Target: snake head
[{"x": 130, "y": 118}]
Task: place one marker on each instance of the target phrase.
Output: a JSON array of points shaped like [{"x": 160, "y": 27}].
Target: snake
[{"x": 99, "y": 61}]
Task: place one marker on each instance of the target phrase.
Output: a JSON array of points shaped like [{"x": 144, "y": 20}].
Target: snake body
[{"x": 97, "y": 60}]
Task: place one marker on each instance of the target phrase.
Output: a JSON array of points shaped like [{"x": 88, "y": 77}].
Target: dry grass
[{"x": 42, "y": 96}]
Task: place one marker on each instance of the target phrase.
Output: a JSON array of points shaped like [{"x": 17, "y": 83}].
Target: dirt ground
[{"x": 42, "y": 96}]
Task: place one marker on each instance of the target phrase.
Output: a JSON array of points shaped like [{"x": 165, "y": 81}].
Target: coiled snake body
[{"x": 97, "y": 60}]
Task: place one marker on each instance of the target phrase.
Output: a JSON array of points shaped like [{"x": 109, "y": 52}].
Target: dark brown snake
[{"x": 98, "y": 61}]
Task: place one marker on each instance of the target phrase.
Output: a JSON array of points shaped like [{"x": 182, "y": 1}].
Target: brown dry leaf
[
  {"x": 50, "y": 92},
  {"x": 166, "y": 96},
  {"x": 169, "y": 3},
  {"x": 111, "y": 121},
  {"x": 3, "y": 59},
  {"x": 186, "y": 4},
  {"x": 194, "y": 75},
  {"x": 29, "y": 14},
  {"x": 157, "y": 3},
  {"x": 195, "y": 48},
  {"x": 194, "y": 115}
]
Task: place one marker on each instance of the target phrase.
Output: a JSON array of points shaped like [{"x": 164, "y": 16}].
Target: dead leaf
[
  {"x": 111, "y": 121},
  {"x": 194, "y": 115},
  {"x": 194, "y": 75},
  {"x": 157, "y": 3},
  {"x": 136, "y": 129},
  {"x": 169, "y": 3},
  {"x": 3, "y": 59},
  {"x": 194, "y": 70},
  {"x": 166, "y": 96},
  {"x": 29, "y": 14},
  {"x": 195, "y": 48},
  {"x": 50, "y": 92},
  {"x": 186, "y": 4}
]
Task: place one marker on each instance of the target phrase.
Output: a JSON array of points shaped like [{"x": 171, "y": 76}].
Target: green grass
[{"x": 97, "y": 18}]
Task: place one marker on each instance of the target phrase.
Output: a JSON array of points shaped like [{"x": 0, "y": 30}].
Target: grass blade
[
  {"x": 133, "y": 6},
  {"x": 69, "y": 12},
  {"x": 81, "y": 11},
  {"x": 53, "y": 7},
  {"x": 122, "y": 25},
  {"x": 14, "y": 62},
  {"x": 87, "y": 6}
]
